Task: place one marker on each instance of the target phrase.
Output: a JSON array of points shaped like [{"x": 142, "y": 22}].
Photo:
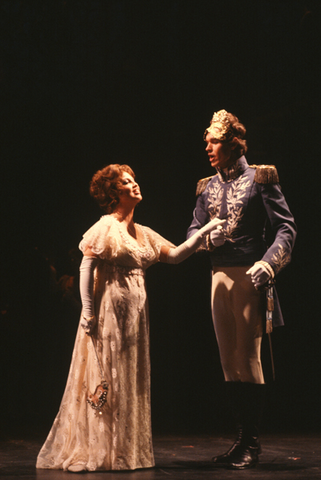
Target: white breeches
[{"x": 237, "y": 317}]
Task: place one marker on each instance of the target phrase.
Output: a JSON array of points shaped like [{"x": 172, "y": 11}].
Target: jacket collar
[{"x": 233, "y": 171}]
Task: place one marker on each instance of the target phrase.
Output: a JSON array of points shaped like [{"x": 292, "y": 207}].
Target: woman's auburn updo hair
[{"x": 104, "y": 186}]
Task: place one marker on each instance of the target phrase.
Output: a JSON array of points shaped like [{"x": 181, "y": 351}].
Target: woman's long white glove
[
  {"x": 86, "y": 287},
  {"x": 183, "y": 251}
]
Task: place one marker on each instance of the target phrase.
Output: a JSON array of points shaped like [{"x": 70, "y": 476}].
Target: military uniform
[{"x": 250, "y": 199}]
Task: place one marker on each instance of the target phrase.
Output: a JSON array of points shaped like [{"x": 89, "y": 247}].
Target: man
[{"x": 250, "y": 199}]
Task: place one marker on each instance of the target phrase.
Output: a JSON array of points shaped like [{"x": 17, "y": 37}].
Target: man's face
[{"x": 219, "y": 153}]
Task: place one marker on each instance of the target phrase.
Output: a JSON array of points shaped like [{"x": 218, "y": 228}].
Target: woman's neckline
[{"x": 140, "y": 240}]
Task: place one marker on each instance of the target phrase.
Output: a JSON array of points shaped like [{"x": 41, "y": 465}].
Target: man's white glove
[
  {"x": 217, "y": 236},
  {"x": 183, "y": 251},
  {"x": 260, "y": 274},
  {"x": 86, "y": 287}
]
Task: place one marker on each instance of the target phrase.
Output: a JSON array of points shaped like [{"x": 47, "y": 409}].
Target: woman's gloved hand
[
  {"x": 211, "y": 227},
  {"x": 183, "y": 251},
  {"x": 88, "y": 324}
]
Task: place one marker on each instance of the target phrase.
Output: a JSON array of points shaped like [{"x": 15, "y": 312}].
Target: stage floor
[{"x": 284, "y": 456}]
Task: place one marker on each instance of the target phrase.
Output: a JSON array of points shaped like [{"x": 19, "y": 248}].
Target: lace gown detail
[{"x": 120, "y": 438}]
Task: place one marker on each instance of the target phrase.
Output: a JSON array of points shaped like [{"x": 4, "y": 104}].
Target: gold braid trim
[
  {"x": 202, "y": 184},
  {"x": 266, "y": 174}
]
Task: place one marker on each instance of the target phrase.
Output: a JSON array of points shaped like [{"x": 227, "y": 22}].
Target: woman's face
[
  {"x": 219, "y": 154},
  {"x": 129, "y": 191}
]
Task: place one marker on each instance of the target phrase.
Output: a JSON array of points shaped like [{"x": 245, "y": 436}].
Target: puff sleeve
[{"x": 102, "y": 238}]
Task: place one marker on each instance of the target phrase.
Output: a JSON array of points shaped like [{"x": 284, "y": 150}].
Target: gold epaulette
[
  {"x": 265, "y": 174},
  {"x": 202, "y": 184}
]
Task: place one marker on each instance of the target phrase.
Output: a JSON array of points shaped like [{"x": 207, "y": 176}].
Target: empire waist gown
[{"x": 120, "y": 437}]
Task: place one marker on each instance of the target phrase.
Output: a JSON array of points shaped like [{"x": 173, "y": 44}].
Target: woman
[{"x": 113, "y": 336}]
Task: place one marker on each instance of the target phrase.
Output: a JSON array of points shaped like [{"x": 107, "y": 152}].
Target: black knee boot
[
  {"x": 246, "y": 453},
  {"x": 246, "y": 402},
  {"x": 233, "y": 393}
]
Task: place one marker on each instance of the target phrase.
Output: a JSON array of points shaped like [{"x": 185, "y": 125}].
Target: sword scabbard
[
  {"x": 269, "y": 309},
  {"x": 269, "y": 325}
]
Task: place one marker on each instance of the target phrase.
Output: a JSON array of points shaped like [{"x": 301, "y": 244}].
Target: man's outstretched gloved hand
[{"x": 217, "y": 236}]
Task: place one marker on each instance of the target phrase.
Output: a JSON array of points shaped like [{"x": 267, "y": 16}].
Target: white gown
[{"x": 120, "y": 437}]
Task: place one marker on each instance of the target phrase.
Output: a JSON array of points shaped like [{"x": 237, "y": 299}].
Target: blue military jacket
[{"x": 250, "y": 199}]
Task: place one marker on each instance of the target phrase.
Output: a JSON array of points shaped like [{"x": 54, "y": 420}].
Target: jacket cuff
[
  {"x": 268, "y": 267},
  {"x": 209, "y": 245}
]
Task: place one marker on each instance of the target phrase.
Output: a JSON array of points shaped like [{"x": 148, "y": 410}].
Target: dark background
[{"x": 87, "y": 83}]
